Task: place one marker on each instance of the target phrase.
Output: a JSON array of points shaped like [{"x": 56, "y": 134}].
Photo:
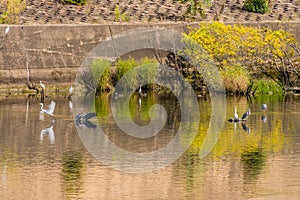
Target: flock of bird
[
  {"x": 81, "y": 119},
  {"x": 245, "y": 115},
  {"x": 236, "y": 118}
]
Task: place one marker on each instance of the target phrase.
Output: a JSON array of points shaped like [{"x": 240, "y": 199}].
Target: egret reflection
[{"x": 49, "y": 132}]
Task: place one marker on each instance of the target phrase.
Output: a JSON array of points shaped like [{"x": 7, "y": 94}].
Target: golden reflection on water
[{"x": 263, "y": 163}]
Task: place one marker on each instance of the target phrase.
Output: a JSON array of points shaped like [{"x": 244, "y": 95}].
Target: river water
[{"x": 259, "y": 159}]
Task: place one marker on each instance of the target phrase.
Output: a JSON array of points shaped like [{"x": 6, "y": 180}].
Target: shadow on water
[
  {"x": 253, "y": 160},
  {"x": 72, "y": 174}
]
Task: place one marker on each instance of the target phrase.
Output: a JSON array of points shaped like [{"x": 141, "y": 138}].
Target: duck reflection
[{"x": 49, "y": 132}]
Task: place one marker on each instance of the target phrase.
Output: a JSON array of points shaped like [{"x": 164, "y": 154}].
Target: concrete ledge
[{"x": 53, "y": 53}]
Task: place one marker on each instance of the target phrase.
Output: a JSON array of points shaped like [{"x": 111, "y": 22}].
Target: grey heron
[
  {"x": 82, "y": 120},
  {"x": 50, "y": 109},
  {"x": 246, "y": 114}
]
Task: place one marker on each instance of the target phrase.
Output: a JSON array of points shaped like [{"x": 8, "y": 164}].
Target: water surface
[{"x": 40, "y": 159}]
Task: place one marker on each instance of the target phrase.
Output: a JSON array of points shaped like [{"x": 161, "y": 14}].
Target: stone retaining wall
[{"x": 53, "y": 53}]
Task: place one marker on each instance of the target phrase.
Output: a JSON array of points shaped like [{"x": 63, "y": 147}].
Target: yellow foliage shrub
[{"x": 272, "y": 52}]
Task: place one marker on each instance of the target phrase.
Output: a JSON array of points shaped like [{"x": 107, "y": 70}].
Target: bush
[
  {"x": 266, "y": 87},
  {"x": 195, "y": 6},
  {"x": 75, "y": 2},
  {"x": 119, "y": 17},
  {"x": 272, "y": 52},
  {"x": 257, "y": 6},
  {"x": 123, "y": 66},
  {"x": 150, "y": 69},
  {"x": 12, "y": 10},
  {"x": 147, "y": 72},
  {"x": 235, "y": 79},
  {"x": 100, "y": 74}
]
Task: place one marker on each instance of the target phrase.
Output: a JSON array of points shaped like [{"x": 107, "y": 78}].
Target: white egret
[
  {"x": 245, "y": 128},
  {"x": 42, "y": 85},
  {"x": 50, "y": 109},
  {"x": 235, "y": 116},
  {"x": 71, "y": 90}
]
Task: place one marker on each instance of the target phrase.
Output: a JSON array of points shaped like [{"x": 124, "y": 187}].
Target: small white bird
[
  {"x": 71, "y": 90},
  {"x": 140, "y": 90},
  {"x": 50, "y": 109},
  {"x": 42, "y": 85},
  {"x": 6, "y": 30}
]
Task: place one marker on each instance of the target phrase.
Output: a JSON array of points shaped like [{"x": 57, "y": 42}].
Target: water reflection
[
  {"x": 82, "y": 120},
  {"x": 49, "y": 132},
  {"x": 253, "y": 160},
  {"x": 72, "y": 174},
  {"x": 263, "y": 164},
  {"x": 246, "y": 128}
]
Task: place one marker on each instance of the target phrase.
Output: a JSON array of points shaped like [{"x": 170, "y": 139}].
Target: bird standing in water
[
  {"x": 42, "y": 85},
  {"x": 264, "y": 106},
  {"x": 246, "y": 114},
  {"x": 235, "y": 115}
]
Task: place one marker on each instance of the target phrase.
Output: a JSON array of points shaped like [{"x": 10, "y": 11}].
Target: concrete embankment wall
[{"x": 53, "y": 53}]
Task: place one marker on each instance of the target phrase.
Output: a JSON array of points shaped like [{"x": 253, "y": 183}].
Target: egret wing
[{"x": 51, "y": 108}]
